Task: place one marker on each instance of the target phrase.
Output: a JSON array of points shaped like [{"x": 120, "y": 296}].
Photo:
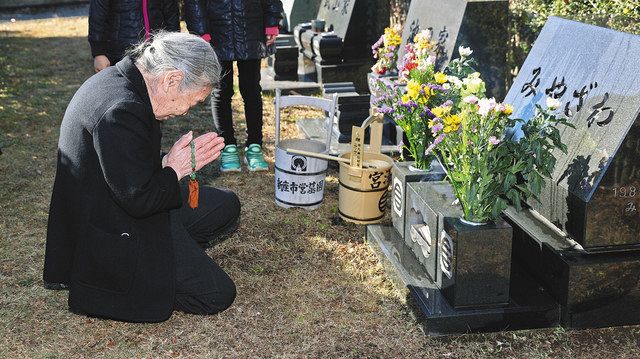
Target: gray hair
[{"x": 179, "y": 51}]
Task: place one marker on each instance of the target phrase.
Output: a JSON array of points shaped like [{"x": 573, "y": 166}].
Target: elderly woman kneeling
[{"x": 120, "y": 236}]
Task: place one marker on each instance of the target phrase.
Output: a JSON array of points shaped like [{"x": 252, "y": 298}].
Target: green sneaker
[
  {"x": 254, "y": 159},
  {"x": 230, "y": 159}
]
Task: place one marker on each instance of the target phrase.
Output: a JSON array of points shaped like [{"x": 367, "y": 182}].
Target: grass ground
[{"x": 308, "y": 286}]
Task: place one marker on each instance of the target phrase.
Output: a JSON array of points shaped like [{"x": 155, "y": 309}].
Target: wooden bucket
[{"x": 364, "y": 184}]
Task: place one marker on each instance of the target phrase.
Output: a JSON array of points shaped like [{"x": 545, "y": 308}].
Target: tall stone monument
[
  {"x": 481, "y": 25},
  {"x": 297, "y": 12},
  {"x": 582, "y": 238}
]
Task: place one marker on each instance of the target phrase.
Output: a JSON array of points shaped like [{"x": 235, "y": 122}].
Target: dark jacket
[
  {"x": 237, "y": 27},
  {"x": 108, "y": 235},
  {"x": 115, "y": 25}
]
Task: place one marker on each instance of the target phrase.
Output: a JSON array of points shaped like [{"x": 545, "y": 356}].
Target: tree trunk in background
[{"x": 399, "y": 10}]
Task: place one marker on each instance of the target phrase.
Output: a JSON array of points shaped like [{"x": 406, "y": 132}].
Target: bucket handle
[
  {"x": 327, "y": 105},
  {"x": 374, "y": 121}
]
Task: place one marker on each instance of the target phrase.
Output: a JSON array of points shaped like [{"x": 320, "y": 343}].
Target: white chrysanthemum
[
  {"x": 553, "y": 103},
  {"x": 486, "y": 105},
  {"x": 455, "y": 81},
  {"x": 465, "y": 51}
]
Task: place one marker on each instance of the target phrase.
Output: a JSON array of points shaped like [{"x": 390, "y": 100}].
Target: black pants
[
  {"x": 202, "y": 287},
  {"x": 249, "y": 83}
]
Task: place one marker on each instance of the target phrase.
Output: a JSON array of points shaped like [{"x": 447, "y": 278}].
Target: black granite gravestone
[
  {"x": 283, "y": 64},
  {"x": 594, "y": 193},
  {"x": 298, "y": 11},
  {"x": 480, "y": 25},
  {"x": 342, "y": 53},
  {"x": 582, "y": 240}
]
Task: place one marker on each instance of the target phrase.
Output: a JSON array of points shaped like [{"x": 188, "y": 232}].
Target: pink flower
[
  {"x": 494, "y": 141},
  {"x": 470, "y": 99}
]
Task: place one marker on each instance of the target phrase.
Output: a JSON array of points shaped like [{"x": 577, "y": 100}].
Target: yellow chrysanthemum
[
  {"x": 406, "y": 98},
  {"x": 440, "y": 77},
  {"x": 451, "y": 123},
  {"x": 392, "y": 37},
  {"x": 508, "y": 109},
  {"x": 454, "y": 119},
  {"x": 423, "y": 45},
  {"x": 440, "y": 112},
  {"x": 422, "y": 42},
  {"x": 413, "y": 88}
]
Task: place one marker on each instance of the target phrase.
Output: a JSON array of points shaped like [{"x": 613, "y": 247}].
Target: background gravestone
[
  {"x": 594, "y": 192},
  {"x": 356, "y": 24},
  {"x": 298, "y": 11},
  {"x": 480, "y": 25}
]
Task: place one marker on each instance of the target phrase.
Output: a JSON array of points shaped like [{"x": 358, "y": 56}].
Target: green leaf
[
  {"x": 514, "y": 196},
  {"x": 509, "y": 181},
  {"x": 499, "y": 207},
  {"x": 535, "y": 183}
]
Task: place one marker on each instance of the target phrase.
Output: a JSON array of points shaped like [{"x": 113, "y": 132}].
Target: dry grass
[{"x": 308, "y": 285}]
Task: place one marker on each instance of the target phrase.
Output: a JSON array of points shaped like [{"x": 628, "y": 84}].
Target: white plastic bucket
[{"x": 299, "y": 179}]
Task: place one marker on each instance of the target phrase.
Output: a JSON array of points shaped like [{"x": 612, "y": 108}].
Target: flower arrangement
[
  {"x": 427, "y": 90},
  {"x": 487, "y": 170},
  {"x": 385, "y": 50},
  {"x": 419, "y": 56}
]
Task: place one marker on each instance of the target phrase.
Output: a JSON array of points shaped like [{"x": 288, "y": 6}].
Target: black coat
[
  {"x": 115, "y": 25},
  {"x": 236, "y": 26},
  {"x": 108, "y": 235}
]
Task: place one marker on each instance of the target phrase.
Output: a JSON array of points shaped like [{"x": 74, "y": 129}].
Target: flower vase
[
  {"x": 427, "y": 204},
  {"x": 402, "y": 174},
  {"x": 474, "y": 262}
]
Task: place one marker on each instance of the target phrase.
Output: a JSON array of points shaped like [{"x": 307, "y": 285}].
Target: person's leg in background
[
  {"x": 202, "y": 287},
  {"x": 249, "y": 83},
  {"x": 223, "y": 119}
]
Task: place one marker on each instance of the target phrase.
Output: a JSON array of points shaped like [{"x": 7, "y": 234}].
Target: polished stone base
[
  {"x": 307, "y": 69},
  {"x": 595, "y": 288},
  {"x": 529, "y": 305},
  {"x": 280, "y": 73},
  {"x": 283, "y": 64}
]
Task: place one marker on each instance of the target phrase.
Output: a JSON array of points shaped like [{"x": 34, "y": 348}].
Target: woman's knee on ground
[{"x": 209, "y": 303}]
